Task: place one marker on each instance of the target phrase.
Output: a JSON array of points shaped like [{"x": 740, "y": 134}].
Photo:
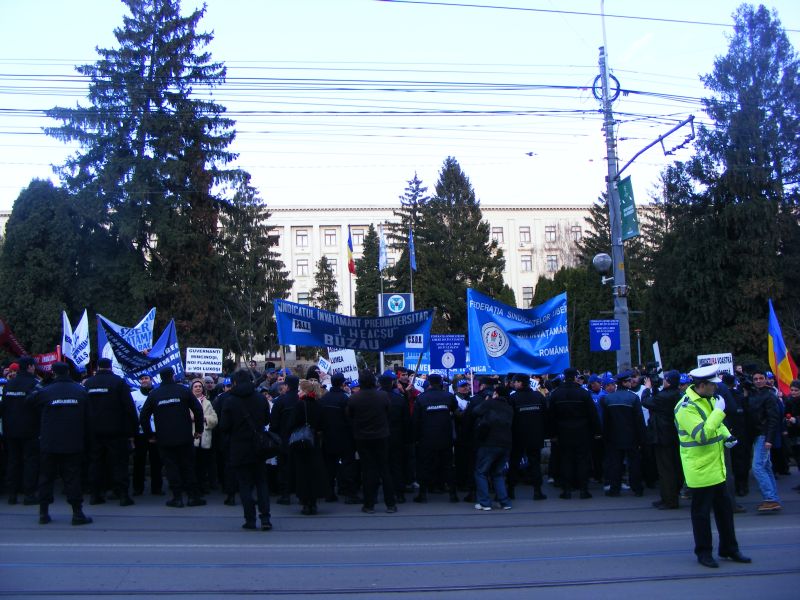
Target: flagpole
[{"x": 381, "y": 245}]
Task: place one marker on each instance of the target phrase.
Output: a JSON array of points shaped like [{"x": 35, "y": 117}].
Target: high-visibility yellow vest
[{"x": 701, "y": 435}]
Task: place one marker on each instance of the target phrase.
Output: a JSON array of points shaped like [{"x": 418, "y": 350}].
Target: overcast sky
[{"x": 319, "y": 88}]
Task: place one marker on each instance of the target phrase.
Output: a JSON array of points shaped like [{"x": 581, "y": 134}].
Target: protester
[
  {"x": 493, "y": 418},
  {"x": 338, "y": 444},
  {"x": 144, "y": 450},
  {"x": 203, "y": 452},
  {"x": 309, "y": 468}
]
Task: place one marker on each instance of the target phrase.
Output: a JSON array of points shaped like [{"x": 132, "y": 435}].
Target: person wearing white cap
[{"x": 702, "y": 437}]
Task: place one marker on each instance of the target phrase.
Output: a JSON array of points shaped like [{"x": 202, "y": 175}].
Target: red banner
[
  {"x": 9, "y": 341},
  {"x": 44, "y": 362}
]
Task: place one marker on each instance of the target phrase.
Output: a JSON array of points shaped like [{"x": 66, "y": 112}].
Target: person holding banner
[{"x": 178, "y": 421}]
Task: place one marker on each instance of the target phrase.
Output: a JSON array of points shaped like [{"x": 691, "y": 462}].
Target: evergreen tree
[
  {"x": 324, "y": 294},
  {"x": 368, "y": 278},
  {"x": 454, "y": 252},
  {"x": 412, "y": 203},
  {"x": 254, "y": 275},
  {"x": 727, "y": 250},
  {"x": 38, "y": 265},
  {"x": 151, "y": 160}
]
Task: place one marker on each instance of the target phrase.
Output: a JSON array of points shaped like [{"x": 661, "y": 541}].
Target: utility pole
[{"x": 621, "y": 313}]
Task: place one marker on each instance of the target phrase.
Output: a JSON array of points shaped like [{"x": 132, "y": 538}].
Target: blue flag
[
  {"x": 164, "y": 353},
  {"x": 505, "y": 339},
  {"x": 309, "y": 326},
  {"x": 412, "y": 256}
]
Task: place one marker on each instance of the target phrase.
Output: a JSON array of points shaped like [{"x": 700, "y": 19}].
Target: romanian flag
[
  {"x": 780, "y": 361},
  {"x": 351, "y": 263}
]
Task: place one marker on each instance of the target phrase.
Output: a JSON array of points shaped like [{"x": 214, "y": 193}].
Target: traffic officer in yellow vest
[{"x": 701, "y": 435}]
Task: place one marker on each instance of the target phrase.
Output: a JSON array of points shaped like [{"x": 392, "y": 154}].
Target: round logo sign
[
  {"x": 396, "y": 304},
  {"x": 605, "y": 342},
  {"x": 494, "y": 339},
  {"x": 448, "y": 360}
]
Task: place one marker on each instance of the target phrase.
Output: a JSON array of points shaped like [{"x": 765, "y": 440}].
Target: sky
[{"x": 341, "y": 102}]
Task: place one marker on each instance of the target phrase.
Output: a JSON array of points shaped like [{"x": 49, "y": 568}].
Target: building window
[
  {"x": 550, "y": 233},
  {"x": 303, "y": 298},
  {"x": 358, "y": 237},
  {"x": 552, "y": 262},
  {"x": 525, "y": 234},
  {"x": 330, "y": 237},
  {"x": 527, "y": 297},
  {"x": 497, "y": 234},
  {"x": 527, "y": 262},
  {"x": 302, "y": 267},
  {"x": 301, "y": 238},
  {"x": 391, "y": 262},
  {"x": 333, "y": 263},
  {"x": 577, "y": 233}
]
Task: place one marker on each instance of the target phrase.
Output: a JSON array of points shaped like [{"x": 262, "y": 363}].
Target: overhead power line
[{"x": 578, "y": 13}]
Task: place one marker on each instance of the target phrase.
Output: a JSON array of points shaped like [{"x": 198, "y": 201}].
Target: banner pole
[{"x": 283, "y": 358}]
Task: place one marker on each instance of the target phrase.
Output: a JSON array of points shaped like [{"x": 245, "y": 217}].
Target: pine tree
[
  {"x": 150, "y": 161},
  {"x": 324, "y": 294},
  {"x": 728, "y": 248},
  {"x": 412, "y": 202},
  {"x": 368, "y": 282},
  {"x": 454, "y": 251},
  {"x": 254, "y": 275}
]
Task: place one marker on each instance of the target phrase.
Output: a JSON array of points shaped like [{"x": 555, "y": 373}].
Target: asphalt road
[{"x": 597, "y": 548}]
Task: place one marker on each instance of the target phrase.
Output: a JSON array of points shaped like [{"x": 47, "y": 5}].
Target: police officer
[
  {"x": 64, "y": 410},
  {"x": 529, "y": 428},
  {"x": 21, "y": 433},
  {"x": 173, "y": 407},
  {"x": 624, "y": 435},
  {"x": 114, "y": 424},
  {"x": 434, "y": 411},
  {"x": 143, "y": 449},
  {"x": 702, "y": 438},
  {"x": 281, "y": 419},
  {"x": 664, "y": 437},
  {"x": 338, "y": 444}
]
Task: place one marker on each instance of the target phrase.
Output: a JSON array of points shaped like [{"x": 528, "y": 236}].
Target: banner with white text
[
  {"x": 505, "y": 339},
  {"x": 303, "y": 325}
]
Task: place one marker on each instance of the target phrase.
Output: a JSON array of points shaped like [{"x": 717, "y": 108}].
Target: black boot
[
  {"x": 78, "y": 518},
  {"x": 97, "y": 498},
  {"x": 454, "y": 496},
  {"x": 44, "y": 513},
  {"x": 230, "y": 500},
  {"x": 176, "y": 502},
  {"x": 538, "y": 495},
  {"x": 422, "y": 496},
  {"x": 125, "y": 499}
]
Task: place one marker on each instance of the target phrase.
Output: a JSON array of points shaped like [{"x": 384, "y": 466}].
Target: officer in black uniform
[
  {"x": 529, "y": 428},
  {"x": 338, "y": 444},
  {"x": 434, "y": 412},
  {"x": 64, "y": 409},
  {"x": 173, "y": 405},
  {"x": 114, "y": 425},
  {"x": 281, "y": 419},
  {"x": 399, "y": 434},
  {"x": 21, "y": 432}
]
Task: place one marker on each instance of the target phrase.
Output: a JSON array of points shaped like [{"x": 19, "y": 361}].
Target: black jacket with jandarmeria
[
  {"x": 171, "y": 405},
  {"x": 573, "y": 415},
  {"x": 434, "y": 411},
  {"x": 530, "y": 418},
  {"x": 113, "y": 412},
  {"x": 337, "y": 432},
  {"x": 64, "y": 409},
  {"x": 20, "y": 419},
  {"x": 244, "y": 412}
]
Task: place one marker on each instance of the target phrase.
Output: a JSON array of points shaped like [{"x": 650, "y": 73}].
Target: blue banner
[
  {"x": 395, "y": 304},
  {"x": 139, "y": 336},
  {"x": 448, "y": 352},
  {"x": 303, "y": 325},
  {"x": 133, "y": 363},
  {"x": 505, "y": 339},
  {"x": 604, "y": 335}
]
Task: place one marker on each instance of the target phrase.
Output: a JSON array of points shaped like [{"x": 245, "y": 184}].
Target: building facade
[{"x": 536, "y": 240}]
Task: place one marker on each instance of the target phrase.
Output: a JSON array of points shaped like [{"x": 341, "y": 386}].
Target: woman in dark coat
[{"x": 310, "y": 477}]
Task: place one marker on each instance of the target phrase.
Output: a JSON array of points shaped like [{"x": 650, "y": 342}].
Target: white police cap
[{"x": 708, "y": 373}]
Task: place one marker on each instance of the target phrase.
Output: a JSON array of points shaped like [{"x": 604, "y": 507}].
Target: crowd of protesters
[{"x": 479, "y": 439}]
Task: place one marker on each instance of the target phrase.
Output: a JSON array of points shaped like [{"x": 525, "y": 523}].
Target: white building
[{"x": 535, "y": 239}]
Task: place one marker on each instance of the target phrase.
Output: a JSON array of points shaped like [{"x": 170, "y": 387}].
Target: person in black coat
[
  {"x": 493, "y": 417},
  {"x": 574, "y": 422},
  {"x": 399, "y": 434},
  {"x": 114, "y": 425},
  {"x": 663, "y": 435},
  {"x": 64, "y": 435},
  {"x": 309, "y": 468},
  {"x": 434, "y": 413},
  {"x": 244, "y": 412},
  {"x": 282, "y": 417},
  {"x": 178, "y": 420},
  {"x": 21, "y": 433},
  {"x": 338, "y": 445},
  {"x": 624, "y": 435},
  {"x": 221, "y": 445},
  {"x": 368, "y": 410},
  {"x": 529, "y": 429}
]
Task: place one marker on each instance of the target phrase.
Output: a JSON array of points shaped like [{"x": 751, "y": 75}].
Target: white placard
[
  {"x": 343, "y": 361},
  {"x": 204, "y": 360},
  {"x": 723, "y": 362}
]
